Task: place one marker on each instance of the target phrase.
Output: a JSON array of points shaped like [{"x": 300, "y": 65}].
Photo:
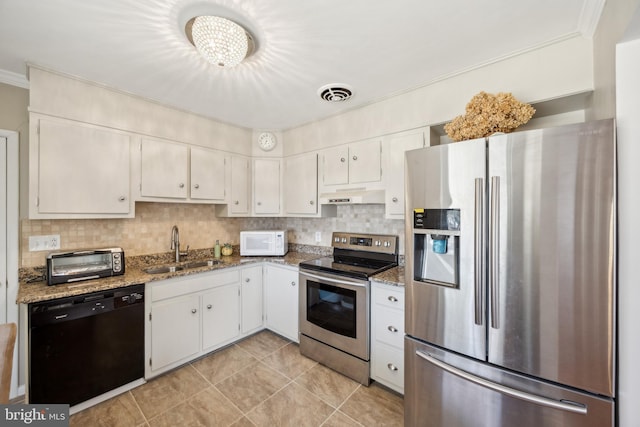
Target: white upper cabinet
[
  {"x": 78, "y": 170},
  {"x": 356, "y": 163},
  {"x": 164, "y": 169},
  {"x": 207, "y": 174},
  {"x": 301, "y": 185},
  {"x": 170, "y": 170},
  {"x": 395, "y": 147},
  {"x": 266, "y": 186},
  {"x": 239, "y": 185}
]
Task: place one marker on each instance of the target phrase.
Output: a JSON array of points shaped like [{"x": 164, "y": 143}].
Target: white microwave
[{"x": 263, "y": 243}]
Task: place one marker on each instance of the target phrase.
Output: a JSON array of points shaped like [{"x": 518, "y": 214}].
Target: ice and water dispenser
[{"x": 436, "y": 241}]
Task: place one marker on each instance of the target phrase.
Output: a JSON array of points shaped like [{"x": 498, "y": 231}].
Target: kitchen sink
[{"x": 160, "y": 269}]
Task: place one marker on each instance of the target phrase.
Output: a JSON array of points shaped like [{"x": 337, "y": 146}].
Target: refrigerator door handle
[
  {"x": 532, "y": 398},
  {"x": 494, "y": 254},
  {"x": 477, "y": 247}
]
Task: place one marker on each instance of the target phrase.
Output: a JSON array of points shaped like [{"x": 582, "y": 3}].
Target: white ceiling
[{"x": 378, "y": 47}]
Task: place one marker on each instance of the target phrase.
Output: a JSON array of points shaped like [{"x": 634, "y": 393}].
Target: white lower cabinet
[
  {"x": 281, "y": 300},
  {"x": 189, "y": 317},
  {"x": 387, "y": 335},
  {"x": 252, "y": 300}
]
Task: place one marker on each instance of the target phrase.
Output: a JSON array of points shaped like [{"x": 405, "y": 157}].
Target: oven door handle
[{"x": 338, "y": 281}]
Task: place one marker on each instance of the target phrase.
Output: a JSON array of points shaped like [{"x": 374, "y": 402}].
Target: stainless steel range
[{"x": 334, "y": 301}]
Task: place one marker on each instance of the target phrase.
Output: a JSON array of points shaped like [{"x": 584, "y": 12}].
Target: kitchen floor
[{"x": 260, "y": 381}]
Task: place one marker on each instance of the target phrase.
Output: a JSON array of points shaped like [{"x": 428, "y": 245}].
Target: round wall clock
[{"x": 267, "y": 141}]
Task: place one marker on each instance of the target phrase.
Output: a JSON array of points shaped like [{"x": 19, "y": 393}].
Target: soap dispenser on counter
[{"x": 216, "y": 250}]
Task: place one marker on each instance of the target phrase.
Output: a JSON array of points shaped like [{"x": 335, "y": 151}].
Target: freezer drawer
[{"x": 446, "y": 389}]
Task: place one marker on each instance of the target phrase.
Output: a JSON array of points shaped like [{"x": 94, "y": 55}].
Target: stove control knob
[
  {"x": 344, "y": 240},
  {"x": 336, "y": 239},
  {"x": 387, "y": 244},
  {"x": 377, "y": 242}
]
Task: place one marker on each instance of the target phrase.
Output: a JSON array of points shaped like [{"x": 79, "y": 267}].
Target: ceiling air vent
[{"x": 335, "y": 92}]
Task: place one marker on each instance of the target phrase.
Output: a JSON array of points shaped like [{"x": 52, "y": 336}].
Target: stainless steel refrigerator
[{"x": 510, "y": 280}]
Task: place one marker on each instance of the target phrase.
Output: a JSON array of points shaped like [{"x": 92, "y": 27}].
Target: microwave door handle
[
  {"x": 328, "y": 279},
  {"x": 518, "y": 394},
  {"x": 477, "y": 256}
]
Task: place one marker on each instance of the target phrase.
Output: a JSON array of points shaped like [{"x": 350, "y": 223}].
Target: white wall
[
  {"x": 64, "y": 96},
  {"x": 554, "y": 71},
  {"x": 628, "y": 136}
]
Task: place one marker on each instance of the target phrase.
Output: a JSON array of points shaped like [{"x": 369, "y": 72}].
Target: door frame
[{"x": 12, "y": 242}]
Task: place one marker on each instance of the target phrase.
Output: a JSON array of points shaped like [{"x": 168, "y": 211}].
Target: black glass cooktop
[{"x": 352, "y": 267}]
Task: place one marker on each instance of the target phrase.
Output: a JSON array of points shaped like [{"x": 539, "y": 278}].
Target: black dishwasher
[{"x": 81, "y": 347}]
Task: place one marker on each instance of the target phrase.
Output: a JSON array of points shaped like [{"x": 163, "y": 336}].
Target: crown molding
[
  {"x": 14, "y": 79},
  {"x": 590, "y": 16}
]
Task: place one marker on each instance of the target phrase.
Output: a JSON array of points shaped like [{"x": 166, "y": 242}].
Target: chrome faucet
[{"x": 175, "y": 243}]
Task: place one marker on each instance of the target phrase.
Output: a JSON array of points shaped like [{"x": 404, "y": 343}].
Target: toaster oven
[{"x": 74, "y": 266}]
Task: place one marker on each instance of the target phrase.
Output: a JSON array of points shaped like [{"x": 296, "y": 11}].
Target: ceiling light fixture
[{"x": 220, "y": 41}]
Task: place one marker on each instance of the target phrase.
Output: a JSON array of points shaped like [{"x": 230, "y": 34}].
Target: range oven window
[{"x": 332, "y": 308}]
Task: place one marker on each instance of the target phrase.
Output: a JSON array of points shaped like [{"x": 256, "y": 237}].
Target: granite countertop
[
  {"x": 33, "y": 287},
  {"x": 393, "y": 276}
]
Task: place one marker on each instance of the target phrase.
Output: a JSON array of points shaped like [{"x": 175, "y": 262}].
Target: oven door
[{"x": 335, "y": 310}]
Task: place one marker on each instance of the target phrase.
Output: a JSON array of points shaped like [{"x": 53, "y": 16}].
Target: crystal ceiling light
[{"x": 220, "y": 41}]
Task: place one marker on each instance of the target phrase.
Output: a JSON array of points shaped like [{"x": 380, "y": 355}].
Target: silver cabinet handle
[
  {"x": 342, "y": 159},
  {"x": 478, "y": 270},
  {"x": 394, "y": 200},
  {"x": 392, "y": 298},
  {"x": 392, "y": 367},
  {"x": 181, "y": 185},
  {"x": 355, "y": 157},
  {"x": 194, "y": 311},
  {"x": 236, "y": 202},
  {"x": 122, "y": 199},
  {"x": 196, "y": 186},
  {"x": 392, "y": 328},
  {"x": 311, "y": 202},
  {"x": 494, "y": 252},
  {"x": 247, "y": 280},
  {"x": 259, "y": 203},
  {"x": 538, "y": 400},
  {"x": 293, "y": 283},
  {"x": 209, "y": 306}
]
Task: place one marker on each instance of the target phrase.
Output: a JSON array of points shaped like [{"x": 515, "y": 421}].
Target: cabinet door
[
  {"x": 301, "y": 184},
  {"x": 252, "y": 302},
  {"x": 175, "y": 330},
  {"x": 239, "y": 185},
  {"x": 220, "y": 315},
  {"x": 163, "y": 169},
  {"x": 207, "y": 174},
  {"x": 82, "y": 169},
  {"x": 281, "y": 288},
  {"x": 394, "y": 150},
  {"x": 266, "y": 186},
  {"x": 364, "y": 161},
  {"x": 335, "y": 166}
]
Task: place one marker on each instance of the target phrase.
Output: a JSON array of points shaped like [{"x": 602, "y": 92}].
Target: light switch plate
[{"x": 44, "y": 243}]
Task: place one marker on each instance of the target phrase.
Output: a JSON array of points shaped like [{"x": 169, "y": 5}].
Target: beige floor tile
[
  {"x": 327, "y": 384},
  {"x": 243, "y": 422},
  {"x": 252, "y": 385},
  {"x": 118, "y": 411},
  {"x": 338, "y": 419},
  {"x": 224, "y": 363},
  {"x": 288, "y": 361},
  {"x": 263, "y": 344},
  {"x": 169, "y": 390},
  {"x": 207, "y": 408},
  {"x": 292, "y": 406},
  {"x": 375, "y": 406}
]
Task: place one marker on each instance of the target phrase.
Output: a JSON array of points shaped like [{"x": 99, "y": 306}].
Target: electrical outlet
[
  {"x": 44, "y": 243},
  {"x": 318, "y": 236}
]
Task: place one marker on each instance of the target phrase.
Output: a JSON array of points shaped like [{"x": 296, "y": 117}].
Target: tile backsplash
[{"x": 150, "y": 231}]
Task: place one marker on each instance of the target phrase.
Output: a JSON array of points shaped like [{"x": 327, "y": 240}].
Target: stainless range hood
[{"x": 352, "y": 197}]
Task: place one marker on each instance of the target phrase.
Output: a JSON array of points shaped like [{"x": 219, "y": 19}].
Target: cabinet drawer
[
  {"x": 189, "y": 284},
  {"x": 388, "y": 365},
  {"x": 389, "y": 297},
  {"x": 389, "y": 326}
]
